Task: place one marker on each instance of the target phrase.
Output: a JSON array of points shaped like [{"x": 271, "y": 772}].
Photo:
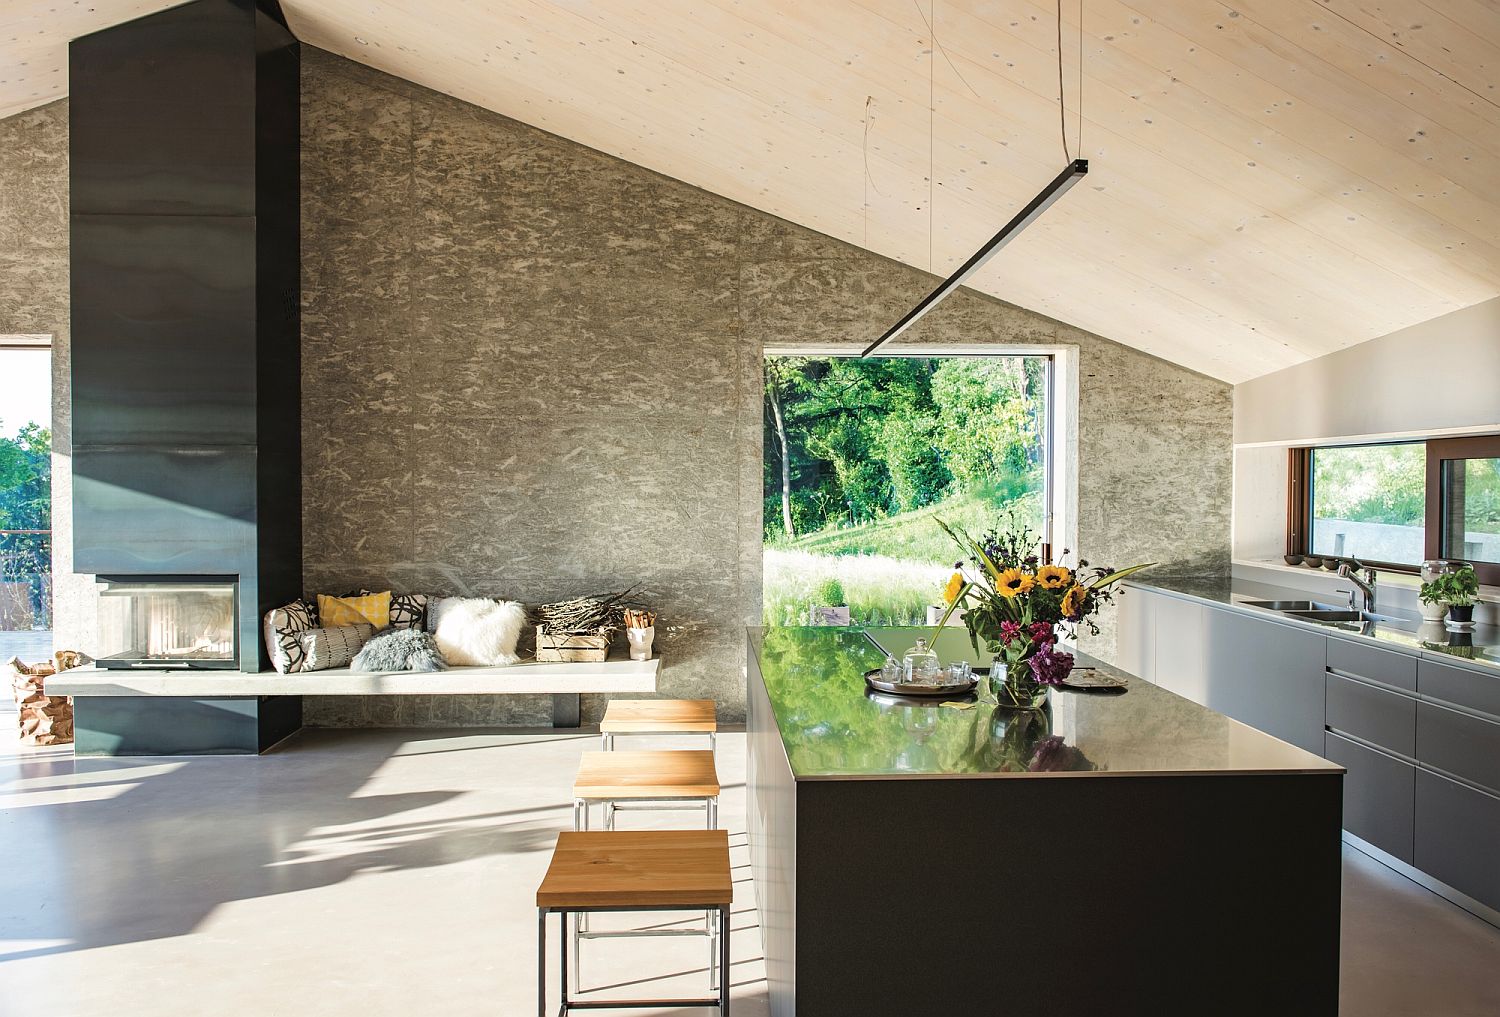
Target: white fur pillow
[{"x": 478, "y": 631}]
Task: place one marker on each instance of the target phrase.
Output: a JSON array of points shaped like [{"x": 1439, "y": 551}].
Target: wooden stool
[
  {"x": 656, "y": 870},
  {"x": 658, "y": 717},
  {"x": 655, "y": 780}
]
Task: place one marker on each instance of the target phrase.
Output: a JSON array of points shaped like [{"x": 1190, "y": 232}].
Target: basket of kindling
[
  {"x": 579, "y": 629},
  {"x": 44, "y": 719}
]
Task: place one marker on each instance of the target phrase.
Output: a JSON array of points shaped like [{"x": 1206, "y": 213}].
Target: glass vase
[{"x": 1015, "y": 686}]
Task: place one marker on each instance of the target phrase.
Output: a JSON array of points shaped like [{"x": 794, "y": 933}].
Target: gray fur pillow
[{"x": 400, "y": 650}]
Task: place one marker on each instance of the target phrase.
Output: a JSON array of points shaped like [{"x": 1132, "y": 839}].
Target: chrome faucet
[{"x": 1366, "y": 585}]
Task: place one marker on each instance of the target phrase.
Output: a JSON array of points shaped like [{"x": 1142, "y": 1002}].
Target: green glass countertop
[{"x": 833, "y": 727}]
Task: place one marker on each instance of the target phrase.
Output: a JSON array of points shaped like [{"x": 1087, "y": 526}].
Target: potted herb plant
[
  {"x": 1457, "y": 590},
  {"x": 829, "y": 607}
]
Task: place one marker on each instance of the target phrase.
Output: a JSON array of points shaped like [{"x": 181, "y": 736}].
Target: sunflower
[
  {"x": 1012, "y": 583},
  {"x": 1073, "y": 601},
  {"x": 1053, "y": 577},
  {"x": 954, "y": 588}
]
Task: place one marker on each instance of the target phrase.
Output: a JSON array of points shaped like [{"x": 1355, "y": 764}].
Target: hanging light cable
[{"x": 1071, "y": 174}]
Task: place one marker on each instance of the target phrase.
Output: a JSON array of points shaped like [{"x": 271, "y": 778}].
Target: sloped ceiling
[{"x": 1271, "y": 180}]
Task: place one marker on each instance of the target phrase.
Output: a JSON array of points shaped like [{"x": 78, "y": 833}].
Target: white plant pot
[
  {"x": 1434, "y": 612},
  {"x": 935, "y": 615},
  {"x": 640, "y": 641}
]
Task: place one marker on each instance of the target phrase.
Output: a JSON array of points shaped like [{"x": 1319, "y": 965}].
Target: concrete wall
[
  {"x": 1435, "y": 377},
  {"x": 532, "y": 370},
  {"x": 34, "y": 300}
]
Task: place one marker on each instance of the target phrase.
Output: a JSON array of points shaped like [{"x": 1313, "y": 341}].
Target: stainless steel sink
[
  {"x": 1338, "y": 616},
  {"x": 1289, "y": 606}
]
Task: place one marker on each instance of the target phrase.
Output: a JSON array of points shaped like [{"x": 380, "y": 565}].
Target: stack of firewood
[{"x": 45, "y": 720}]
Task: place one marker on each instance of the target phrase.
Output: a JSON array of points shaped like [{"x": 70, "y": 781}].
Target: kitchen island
[{"x": 1120, "y": 853}]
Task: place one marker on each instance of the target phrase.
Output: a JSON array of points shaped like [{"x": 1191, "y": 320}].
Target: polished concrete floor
[{"x": 381, "y": 873}]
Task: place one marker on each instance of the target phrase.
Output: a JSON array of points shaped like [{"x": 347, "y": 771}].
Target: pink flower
[
  {"x": 1009, "y": 631},
  {"x": 1042, "y": 634}
]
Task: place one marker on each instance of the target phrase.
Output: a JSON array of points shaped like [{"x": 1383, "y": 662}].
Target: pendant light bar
[{"x": 1043, "y": 201}]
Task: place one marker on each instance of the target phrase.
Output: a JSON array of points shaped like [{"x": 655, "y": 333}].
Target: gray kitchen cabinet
[
  {"x": 1370, "y": 713},
  {"x": 1179, "y": 639},
  {"x": 1135, "y": 632},
  {"x": 1460, "y": 745},
  {"x": 1458, "y": 686},
  {"x": 1458, "y": 784},
  {"x": 1458, "y": 836},
  {"x": 1372, "y": 664},
  {"x": 1267, "y": 675},
  {"x": 1379, "y": 795}
]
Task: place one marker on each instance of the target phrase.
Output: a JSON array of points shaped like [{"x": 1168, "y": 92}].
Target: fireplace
[{"x": 168, "y": 622}]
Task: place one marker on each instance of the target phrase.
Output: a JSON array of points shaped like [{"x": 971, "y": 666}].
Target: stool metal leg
[
  {"x": 578, "y": 930},
  {"x": 563, "y": 979},
  {"x": 724, "y": 918},
  {"x": 541, "y": 963}
]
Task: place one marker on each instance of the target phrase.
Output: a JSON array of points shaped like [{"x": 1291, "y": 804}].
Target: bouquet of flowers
[{"x": 1017, "y": 608}]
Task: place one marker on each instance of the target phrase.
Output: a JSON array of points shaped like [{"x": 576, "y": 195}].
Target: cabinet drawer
[
  {"x": 1460, "y": 687},
  {"x": 1457, "y": 743},
  {"x": 1458, "y": 837},
  {"x": 1384, "y": 667},
  {"x": 1379, "y": 795},
  {"x": 1386, "y": 719}
]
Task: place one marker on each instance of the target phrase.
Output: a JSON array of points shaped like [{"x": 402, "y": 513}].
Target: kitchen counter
[
  {"x": 832, "y": 728},
  {"x": 1479, "y": 648},
  {"x": 911, "y": 857}
]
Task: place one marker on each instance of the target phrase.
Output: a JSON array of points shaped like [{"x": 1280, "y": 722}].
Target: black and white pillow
[
  {"x": 336, "y": 647},
  {"x": 282, "y": 627},
  {"x": 408, "y": 610}
]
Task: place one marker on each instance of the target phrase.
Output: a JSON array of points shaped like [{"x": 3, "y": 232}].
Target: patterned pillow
[
  {"x": 408, "y": 610},
  {"x": 333, "y": 647},
  {"x": 337, "y": 612},
  {"x": 282, "y": 626}
]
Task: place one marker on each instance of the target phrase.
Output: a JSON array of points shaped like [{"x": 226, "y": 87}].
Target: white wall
[{"x": 1439, "y": 376}]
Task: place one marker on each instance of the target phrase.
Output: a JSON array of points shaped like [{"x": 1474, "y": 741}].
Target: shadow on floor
[{"x": 107, "y": 851}]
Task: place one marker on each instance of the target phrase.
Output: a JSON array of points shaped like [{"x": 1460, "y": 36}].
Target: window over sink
[{"x": 1395, "y": 504}]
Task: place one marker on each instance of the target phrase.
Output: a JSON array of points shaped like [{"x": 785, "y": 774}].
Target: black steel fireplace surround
[{"x": 185, "y": 152}]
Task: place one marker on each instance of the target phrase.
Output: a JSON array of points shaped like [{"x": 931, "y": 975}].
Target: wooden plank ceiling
[{"x": 1271, "y": 179}]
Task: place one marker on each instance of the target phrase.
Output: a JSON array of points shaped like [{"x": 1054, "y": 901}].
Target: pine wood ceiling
[{"x": 1271, "y": 179}]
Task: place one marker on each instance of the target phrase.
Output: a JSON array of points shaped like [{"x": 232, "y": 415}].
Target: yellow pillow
[{"x": 336, "y": 612}]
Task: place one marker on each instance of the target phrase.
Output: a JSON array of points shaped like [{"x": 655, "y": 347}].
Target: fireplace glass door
[{"x": 167, "y": 623}]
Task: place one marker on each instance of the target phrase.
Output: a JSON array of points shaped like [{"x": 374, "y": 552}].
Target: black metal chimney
[{"x": 185, "y": 151}]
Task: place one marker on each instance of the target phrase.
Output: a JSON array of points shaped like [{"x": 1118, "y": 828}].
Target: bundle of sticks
[
  {"x": 597, "y": 615},
  {"x": 639, "y": 618}
]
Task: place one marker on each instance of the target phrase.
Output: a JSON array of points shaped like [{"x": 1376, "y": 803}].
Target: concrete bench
[{"x": 169, "y": 712}]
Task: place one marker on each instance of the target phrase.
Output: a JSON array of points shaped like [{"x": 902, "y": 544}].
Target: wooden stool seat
[
  {"x": 638, "y": 870},
  {"x": 659, "y": 716},
  {"x": 648, "y": 870},
  {"x": 661, "y": 774}
]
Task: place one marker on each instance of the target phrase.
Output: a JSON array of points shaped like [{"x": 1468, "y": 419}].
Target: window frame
[
  {"x": 1440, "y": 450},
  {"x": 1437, "y": 451}
]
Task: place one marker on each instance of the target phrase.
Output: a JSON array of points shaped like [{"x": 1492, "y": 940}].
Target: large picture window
[
  {"x": 1398, "y": 503},
  {"x": 862, "y": 455}
]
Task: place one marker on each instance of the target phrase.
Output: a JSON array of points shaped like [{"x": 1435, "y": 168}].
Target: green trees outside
[
  {"x": 850, "y": 441},
  {"x": 859, "y": 455},
  {"x": 26, "y": 504},
  {"x": 1371, "y": 483}
]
